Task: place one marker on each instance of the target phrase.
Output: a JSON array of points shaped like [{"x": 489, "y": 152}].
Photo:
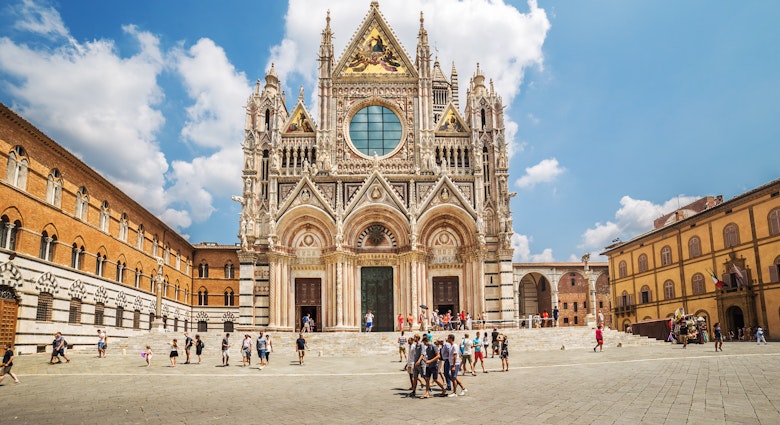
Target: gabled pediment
[
  {"x": 375, "y": 190},
  {"x": 445, "y": 191},
  {"x": 451, "y": 123},
  {"x": 299, "y": 122},
  {"x": 305, "y": 192},
  {"x": 374, "y": 49}
]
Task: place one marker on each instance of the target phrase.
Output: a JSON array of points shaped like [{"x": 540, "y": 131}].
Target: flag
[
  {"x": 738, "y": 272},
  {"x": 718, "y": 283}
]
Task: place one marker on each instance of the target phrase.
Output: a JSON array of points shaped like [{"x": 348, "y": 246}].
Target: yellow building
[{"x": 736, "y": 242}]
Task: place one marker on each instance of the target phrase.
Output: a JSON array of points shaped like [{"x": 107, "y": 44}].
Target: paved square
[{"x": 629, "y": 385}]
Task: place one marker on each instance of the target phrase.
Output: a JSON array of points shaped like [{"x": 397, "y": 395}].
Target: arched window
[
  {"x": 646, "y": 295},
  {"x": 694, "y": 247},
  {"x": 100, "y": 261},
  {"x": 123, "y": 227},
  {"x": 203, "y": 296},
  {"x": 482, "y": 118},
  {"x": 139, "y": 239},
  {"x": 642, "y": 263},
  {"x": 666, "y": 256},
  {"x": 76, "y": 256},
  {"x": 229, "y": 298},
  {"x": 167, "y": 253},
  {"x": 120, "y": 271},
  {"x": 267, "y": 120},
  {"x": 155, "y": 242},
  {"x": 178, "y": 259},
  {"x": 138, "y": 273},
  {"x": 54, "y": 188},
  {"x": 731, "y": 235},
  {"x": 16, "y": 173},
  {"x": 697, "y": 281},
  {"x": 624, "y": 299},
  {"x": 668, "y": 290},
  {"x": 47, "y": 246},
  {"x": 622, "y": 269},
  {"x": 486, "y": 171},
  {"x": 774, "y": 222},
  {"x": 104, "y": 216},
  {"x": 229, "y": 271},
  {"x": 74, "y": 312},
  {"x": 203, "y": 270},
  {"x": 82, "y": 203},
  {"x": 8, "y": 232}
]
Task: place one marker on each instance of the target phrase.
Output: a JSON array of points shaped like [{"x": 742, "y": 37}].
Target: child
[
  {"x": 599, "y": 339},
  {"x": 174, "y": 352},
  {"x": 148, "y": 355}
]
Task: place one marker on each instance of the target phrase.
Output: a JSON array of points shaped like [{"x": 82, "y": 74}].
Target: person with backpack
[
  {"x": 199, "y": 347},
  {"x": 187, "y": 346},
  {"x": 58, "y": 349},
  {"x": 305, "y": 324}
]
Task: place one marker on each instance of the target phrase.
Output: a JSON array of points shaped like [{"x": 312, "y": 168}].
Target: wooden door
[
  {"x": 9, "y": 310},
  {"x": 376, "y": 294}
]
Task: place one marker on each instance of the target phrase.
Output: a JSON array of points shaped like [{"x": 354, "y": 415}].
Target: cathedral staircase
[{"x": 384, "y": 343}]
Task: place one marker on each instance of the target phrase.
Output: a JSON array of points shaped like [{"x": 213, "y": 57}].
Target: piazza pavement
[{"x": 656, "y": 384}]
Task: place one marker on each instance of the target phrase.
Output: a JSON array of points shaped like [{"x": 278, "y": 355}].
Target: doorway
[
  {"x": 735, "y": 319},
  {"x": 308, "y": 300},
  {"x": 376, "y": 294},
  {"x": 9, "y": 310},
  {"x": 446, "y": 295}
]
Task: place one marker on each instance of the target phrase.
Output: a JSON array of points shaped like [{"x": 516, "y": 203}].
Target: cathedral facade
[{"x": 392, "y": 195}]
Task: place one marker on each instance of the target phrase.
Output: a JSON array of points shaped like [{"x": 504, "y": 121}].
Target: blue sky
[{"x": 618, "y": 111}]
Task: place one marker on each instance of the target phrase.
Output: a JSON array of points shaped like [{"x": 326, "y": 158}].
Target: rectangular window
[
  {"x": 601, "y": 304},
  {"x": 120, "y": 317},
  {"x": 565, "y": 306},
  {"x": 74, "y": 313},
  {"x": 576, "y": 320},
  {"x": 203, "y": 326},
  {"x": 565, "y": 320},
  {"x": 575, "y": 306},
  {"x": 136, "y": 319},
  {"x": 43, "y": 311},
  {"x": 99, "y": 309}
]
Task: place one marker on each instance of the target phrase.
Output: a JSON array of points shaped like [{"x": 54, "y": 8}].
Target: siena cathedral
[{"x": 391, "y": 197}]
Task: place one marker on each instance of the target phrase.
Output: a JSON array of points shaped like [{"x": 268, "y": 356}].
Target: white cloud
[
  {"x": 512, "y": 44},
  {"x": 522, "y": 246},
  {"x": 105, "y": 108},
  {"x": 634, "y": 217},
  {"x": 544, "y": 172}
]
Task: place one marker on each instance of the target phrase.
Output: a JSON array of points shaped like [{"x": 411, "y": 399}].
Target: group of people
[
  {"x": 436, "y": 321},
  {"x": 752, "y": 333},
  {"x": 427, "y": 359}
]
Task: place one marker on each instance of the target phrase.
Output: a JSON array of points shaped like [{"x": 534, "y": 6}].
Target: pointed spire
[{"x": 478, "y": 82}]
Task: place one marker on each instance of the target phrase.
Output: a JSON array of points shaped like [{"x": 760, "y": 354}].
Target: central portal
[{"x": 376, "y": 294}]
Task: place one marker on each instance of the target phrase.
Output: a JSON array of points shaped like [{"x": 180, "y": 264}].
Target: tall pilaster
[{"x": 246, "y": 285}]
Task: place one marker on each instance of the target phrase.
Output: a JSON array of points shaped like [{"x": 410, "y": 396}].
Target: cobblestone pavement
[{"x": 630, "y": 385}]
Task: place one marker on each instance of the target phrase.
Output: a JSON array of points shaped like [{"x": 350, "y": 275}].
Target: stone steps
[{"x": 385, "y": 343}]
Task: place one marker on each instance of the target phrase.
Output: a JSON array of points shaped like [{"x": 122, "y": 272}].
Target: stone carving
[
  {"x": 77, "y": 290},
  {"x": 46, "y": 283},
  {"x": 10, "y": 275}
]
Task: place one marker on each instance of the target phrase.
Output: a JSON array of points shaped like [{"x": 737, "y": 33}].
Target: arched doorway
[
  {"x": 533, "y": 294},
  {"x": 734, "y": 319},
  {"x": 9, "y": 310}
]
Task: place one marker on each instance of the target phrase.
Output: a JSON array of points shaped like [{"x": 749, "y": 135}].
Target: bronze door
[
  {"x": 377, "y": 295},
  {"x": 308, "y": 300},
  {"x": 9, "y": 310},
  {"x": 446, "y": 294}
]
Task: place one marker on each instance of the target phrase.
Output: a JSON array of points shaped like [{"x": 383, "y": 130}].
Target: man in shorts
[
  {"x": 496, "y": 344},
  {"x": 431, "y": 360},
  {"x": 225, "y": 352},
  {"x": 8, "y": 362},
  {"x": 466, "y": 344},
  {"x": 58, "y": 349},
  {"x": 262, "y": 346},
  {"x": 401, "y": 347},
  {"x": 300, "y": 348},
  {"x": 101, "y": 343},
  {"x": 415, "y": 351}
]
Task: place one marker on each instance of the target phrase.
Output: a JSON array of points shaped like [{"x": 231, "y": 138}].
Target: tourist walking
[
  {"x": 199, "y": 347},
  {"x": 495, "y": 342},
  {"x": 300, "y": 348},
  {"x": 466, "y": 346},
  {"x": 225, "y": 350},
  {"x": 760, "y": 336},
  {"x": 485, "y": 343},
  {"x": 246, "y": 351},
  {"x": 174, "y": 352},
  {"x": 415, "y": 351},
  {"x": 556, "y": 313},
  {"x": 401, "y": 346},
  {"x": 305, "y": 323},
  {"x": 187, "y": 346},
  {"x": 599, "y": 339},
  {"x": 101, "y": 343},
  {"x": 369, "y": 321},
  {"x": 431, "y": 360},
  {"x": 504, "y": 353},
  {"x": 8, "y": 362},
  {"x": 58, "y": 349},
  {"x": 269, "y": 348},
  {"x": 455, "y": 362},
  {"x": 410, "y": 321},
  {"x": 446, "y": 357},
  {"x": 478, "y": 354},
  {"x": 718, "y": 337},
  {"x": 400, "y": 322},
  {"x": 261, "y": 345}
]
